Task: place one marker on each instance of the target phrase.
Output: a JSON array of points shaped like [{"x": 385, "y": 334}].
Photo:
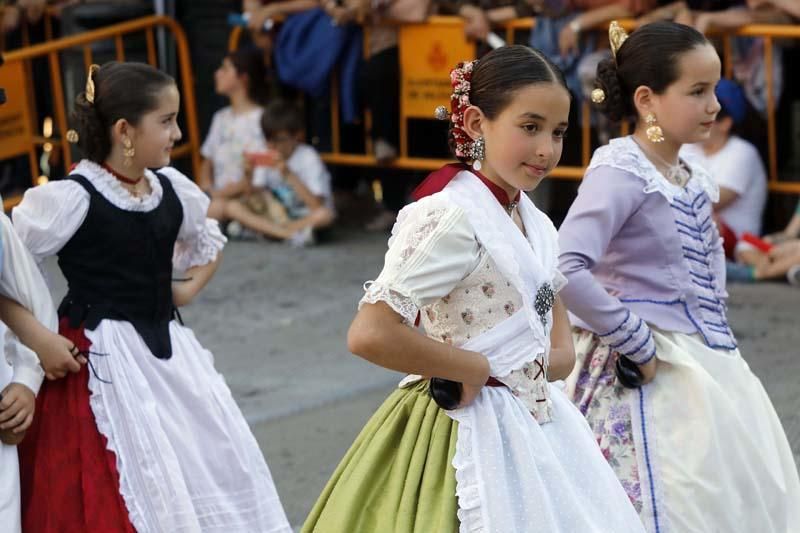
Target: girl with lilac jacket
[{"x": 676, "y": 410}]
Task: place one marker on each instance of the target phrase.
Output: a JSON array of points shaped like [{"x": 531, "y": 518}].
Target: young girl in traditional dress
[
  {"x": 476, "y": 262},
  {"x": 146, "y": 437},
  {"x": 699, "y": 448}
]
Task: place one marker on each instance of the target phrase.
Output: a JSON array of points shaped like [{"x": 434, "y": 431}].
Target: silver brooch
[{"x": 545, "y": 298}]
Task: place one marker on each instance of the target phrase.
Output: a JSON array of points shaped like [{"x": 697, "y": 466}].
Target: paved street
[{"x": 276, "y": 319}]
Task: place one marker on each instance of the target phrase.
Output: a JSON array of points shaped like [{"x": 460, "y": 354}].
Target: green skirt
[{"x": 397, "y": 476}]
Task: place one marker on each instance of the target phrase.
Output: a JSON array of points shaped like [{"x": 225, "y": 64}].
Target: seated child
[
  {"x": 289, "y": 186},
  {"x": 234, "y": 129},
  {"x": 782, "y": 259}
]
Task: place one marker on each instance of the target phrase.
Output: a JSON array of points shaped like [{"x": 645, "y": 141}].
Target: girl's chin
[
  {"x": 700, "y": 136},
  {"x": 529, "y": 182},
  {"x": 531, "y": 186}
]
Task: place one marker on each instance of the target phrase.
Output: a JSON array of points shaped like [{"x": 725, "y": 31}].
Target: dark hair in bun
[
  {"x": 648, "y": 57},
  {"x": 121, "y": 90}
]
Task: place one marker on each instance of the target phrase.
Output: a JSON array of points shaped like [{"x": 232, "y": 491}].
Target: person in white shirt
[
  {"x": 736, "y": 166},
  {"x": 234, "y": 129},
  {"x": 28, "y": 321},
  {"x": 290, "y": 188}
]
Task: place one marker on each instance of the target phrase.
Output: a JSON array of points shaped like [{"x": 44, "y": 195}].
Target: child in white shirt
[
  {"x": 28, "y": 316},
  {"x": 290, "y": 186},
  {"x": 235, "y": 129}
]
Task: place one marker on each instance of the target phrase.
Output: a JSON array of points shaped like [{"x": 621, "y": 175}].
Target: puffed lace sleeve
[
  {"x": 199, "y": 238},
  {"x": 431, "y": 250},
  {"x": 49, "y": 215}
]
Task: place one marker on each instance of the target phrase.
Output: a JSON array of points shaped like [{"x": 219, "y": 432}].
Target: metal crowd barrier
[
  {"x": 19, "y": 121},
  {"x": 436, "y": 25}
]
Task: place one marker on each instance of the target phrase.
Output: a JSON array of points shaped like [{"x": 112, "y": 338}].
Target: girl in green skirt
[{"x": 474, "y": 262}]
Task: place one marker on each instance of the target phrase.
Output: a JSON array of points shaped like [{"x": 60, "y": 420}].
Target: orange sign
[
  {"x": 15, "y": 122},
  {"x": 427, "y": 53}
]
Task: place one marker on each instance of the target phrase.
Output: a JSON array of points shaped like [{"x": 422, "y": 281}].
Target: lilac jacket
[{"x": 640, "y": 251}]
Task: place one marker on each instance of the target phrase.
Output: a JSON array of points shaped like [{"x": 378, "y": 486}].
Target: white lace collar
[
  {"x": 623, "y": 153},
  {"x": 113, "y": 191}
]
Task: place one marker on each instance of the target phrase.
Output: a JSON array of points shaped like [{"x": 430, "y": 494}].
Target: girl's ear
[
  {"x": 644, "y": 100},
  {"x": 121, "y": 129},
  {"x": 473, "y": 118}
]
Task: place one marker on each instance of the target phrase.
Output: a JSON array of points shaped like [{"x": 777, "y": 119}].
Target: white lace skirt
[
  {"x": 515, "y": 475},
  {"x": 187, "y": 459}
]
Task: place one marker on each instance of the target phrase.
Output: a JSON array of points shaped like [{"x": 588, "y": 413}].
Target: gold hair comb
[
  {"x": 616, "y": 36},
  {"x": 90, "y": 83}
]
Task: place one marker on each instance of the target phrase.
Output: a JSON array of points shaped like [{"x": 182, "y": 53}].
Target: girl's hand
[
  {"x": 8, "y": 437},
  {"x": 16, "y": 408},
  {"x": 469, "y": 393},
  {"x": 649, "y": 370},
  {"x": 58, "y": 356}
]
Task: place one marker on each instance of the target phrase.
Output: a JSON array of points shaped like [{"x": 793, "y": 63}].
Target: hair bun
[
  {"x": 93, "y": 139},
  {"x": 614, "y": 106}
]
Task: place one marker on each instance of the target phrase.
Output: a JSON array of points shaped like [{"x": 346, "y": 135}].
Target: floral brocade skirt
[{"x": 700, "y": 448}]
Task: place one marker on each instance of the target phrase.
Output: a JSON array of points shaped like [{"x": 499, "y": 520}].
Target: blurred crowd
[{"x": 266, "y": 178}]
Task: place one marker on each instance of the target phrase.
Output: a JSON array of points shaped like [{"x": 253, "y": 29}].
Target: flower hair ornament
[
  {"x": 465, "y": 146},
  {"x": 616, "y": 37}
]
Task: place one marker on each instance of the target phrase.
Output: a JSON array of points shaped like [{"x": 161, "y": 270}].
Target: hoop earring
[
  {"x": 129, "y": 152},
  {"x": 654, "y": 132},
  {"x": 478, "y": 153}
]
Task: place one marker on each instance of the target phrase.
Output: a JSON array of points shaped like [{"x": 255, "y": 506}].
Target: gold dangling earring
[
  {"x": 654, "y": 132},
  {"x": 128, "y": 152}
]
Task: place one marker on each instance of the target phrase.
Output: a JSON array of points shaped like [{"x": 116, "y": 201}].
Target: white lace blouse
[
  {"x": 435, "y": 267},
  {"x": 51, "y": 214}
]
